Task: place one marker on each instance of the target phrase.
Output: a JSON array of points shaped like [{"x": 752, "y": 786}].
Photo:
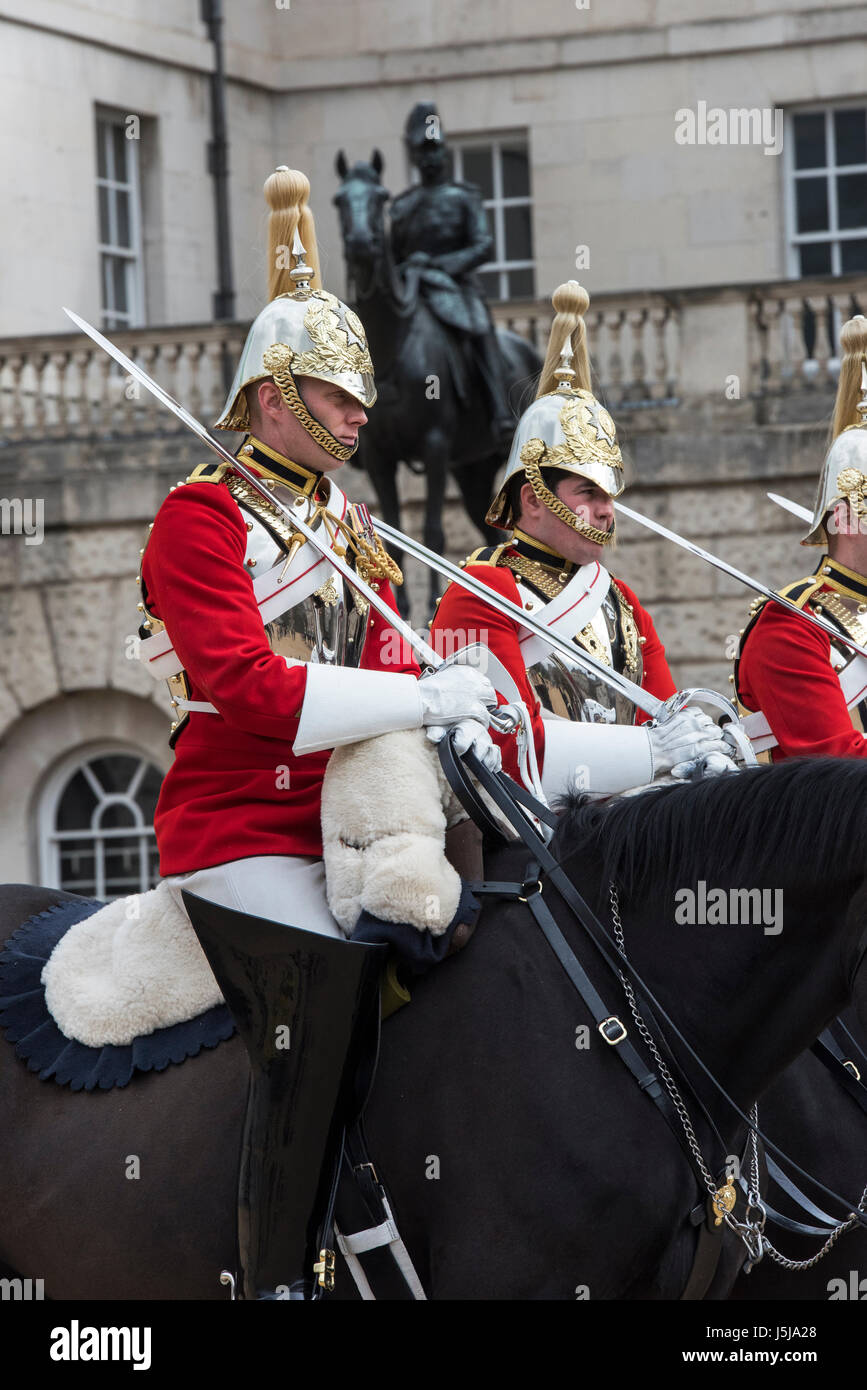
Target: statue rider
[{"x": 439, "y": 236}]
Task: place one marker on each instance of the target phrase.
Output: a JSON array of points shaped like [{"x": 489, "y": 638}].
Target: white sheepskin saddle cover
[
  {"x": 132, "y": 967},
  {"x": 386, "y": 806}
]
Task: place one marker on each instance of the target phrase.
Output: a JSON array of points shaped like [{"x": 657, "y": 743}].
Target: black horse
[
  {"x": 522, "y": 1164},
  {"x": 432, "y": 408}
]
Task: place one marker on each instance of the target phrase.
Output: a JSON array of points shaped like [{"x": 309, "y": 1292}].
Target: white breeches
[{"x": 278, "y": 887}]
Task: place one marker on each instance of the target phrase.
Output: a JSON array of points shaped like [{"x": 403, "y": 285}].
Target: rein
[{"x": 509, "y": 798}]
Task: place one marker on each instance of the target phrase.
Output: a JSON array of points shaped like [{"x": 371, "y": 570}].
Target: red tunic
[
  {"x": 226, "y": 795},
  {"x": 785, "y": 671},
  {"x": 462, "y": 618}
]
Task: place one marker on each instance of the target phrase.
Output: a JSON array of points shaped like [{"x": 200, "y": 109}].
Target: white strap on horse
[
  {"x": 853, "y": 683},
  {"x": 568, "y": 613},
  {"x": 375, "y": 1238}
]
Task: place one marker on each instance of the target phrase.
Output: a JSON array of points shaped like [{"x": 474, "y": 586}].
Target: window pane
[
  {"x": 118, "y": 277},
  {"x": 852, "y": 201},
  {"x": 816, "y": 258},
  {"x": 102, "y": 133},
  {"x": 115, "y": 771},
  {"x": 123, "y": 230},
  {"x": 850, "y": 136},
  {"x": 104, "y": 224},
  {"x": 122, "y": 866},
  {"x": 148, "y": 793},
  {"x": 113, "y": 817},
  {"x": 491, "y": 283},
  {"x": 853, "y": 256},
  {"x": 77, "y": 804},
  {"x": 518, "y": 239},
  {"x": 119, "y": 146},
  {"x": 810, "y": 141},
  {"x": 812, "y": 204},
  {"x": 478, "y": 169},
  {"x": 516, "y": 172},
  {"x": 106, "y": 285},
  {"x": 77, "y": 868},
  {"x": 521, "y": 284}
]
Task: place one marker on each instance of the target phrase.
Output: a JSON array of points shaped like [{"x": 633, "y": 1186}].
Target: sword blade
[
  {"x": 417, "y": 644},
  {"x": 800, "y": 512},
  {"x": 577, "y": 655},
  {"x": 754, "y": 584}
]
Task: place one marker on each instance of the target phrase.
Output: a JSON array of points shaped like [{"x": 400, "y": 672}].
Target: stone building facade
[{"x": 719, "y": 273}]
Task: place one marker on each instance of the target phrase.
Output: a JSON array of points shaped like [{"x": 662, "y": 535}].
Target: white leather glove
[
  {"x": 456, "y": 693},
  {"x": 470, "y": 734},
  {"x": 685, "y": 738}
]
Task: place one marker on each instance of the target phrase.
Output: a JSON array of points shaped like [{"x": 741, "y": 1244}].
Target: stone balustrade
[
  {"x": 750, "y": 342},
  {"x": 67, "y": 387}
]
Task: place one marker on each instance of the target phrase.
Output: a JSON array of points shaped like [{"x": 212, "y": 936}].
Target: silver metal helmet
[
  {"x": 844, "y": 473},
  {"x": 303, "y": 331},
  {"x": 569, "y": 430}
]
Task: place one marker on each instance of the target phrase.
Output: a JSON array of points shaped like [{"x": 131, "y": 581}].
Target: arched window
[{"x": 96, "y": 824}]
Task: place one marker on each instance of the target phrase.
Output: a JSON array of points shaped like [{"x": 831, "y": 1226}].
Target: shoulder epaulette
[
  {"x": 486, "y": 555},
  {"x": 802, "y": 590},
  {"x": 208, "y": 473}
]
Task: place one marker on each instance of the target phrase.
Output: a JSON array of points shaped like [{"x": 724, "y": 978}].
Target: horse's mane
[{"x": 800, "y": 815}]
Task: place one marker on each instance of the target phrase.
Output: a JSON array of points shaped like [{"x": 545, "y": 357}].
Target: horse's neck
[
  {"x": 381, "y": 301},
  {"x": 747, "y": 998}
]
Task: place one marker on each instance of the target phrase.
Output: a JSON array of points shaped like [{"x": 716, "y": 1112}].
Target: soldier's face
[
  {"x": 341, "y": 414},
  {"x": 586, "y": 500}
]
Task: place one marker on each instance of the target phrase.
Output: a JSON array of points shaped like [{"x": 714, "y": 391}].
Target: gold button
[
  {"x": 249, "y": 525},
  {"x": 251, "y": 563},
  {"x": 731, "y": 680},
  {"x": 641, "y": 641},
  {"x": 247, "y": 449},
  {"x": 528, "y": 605},
  {"x": 147, "y": 624},
  {"x": 140, "y": 607}
]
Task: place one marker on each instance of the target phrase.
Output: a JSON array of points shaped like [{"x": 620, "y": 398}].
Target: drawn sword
[
  {"x": 755, "y": 584},
  {"x": 643, "y": 699}
]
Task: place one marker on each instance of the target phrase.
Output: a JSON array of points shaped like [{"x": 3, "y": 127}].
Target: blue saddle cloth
[{"x": 39, "y": 1042}]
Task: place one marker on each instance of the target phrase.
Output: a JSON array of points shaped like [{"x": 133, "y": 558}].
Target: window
[
  {"x": 117, "y": 190},
  {"x": 828, "y": 191},
  {"x": 501, "y": 169},
  {"x": 97, "y": 836}
]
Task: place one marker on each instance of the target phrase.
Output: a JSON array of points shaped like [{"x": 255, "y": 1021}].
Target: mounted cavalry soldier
[
  {"x": 557, "y": 500},
  {"x": 803, "y": 690},
  {"x": 273, "y": 659},
  {"x": 439, "y": 236}
]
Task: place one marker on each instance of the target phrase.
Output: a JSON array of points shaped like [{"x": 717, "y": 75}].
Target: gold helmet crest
[{"x": 305, "y": 330}]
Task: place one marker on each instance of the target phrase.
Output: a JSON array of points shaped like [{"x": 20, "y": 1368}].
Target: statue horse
[
  {"x": 432, "y": 408},
  {"x": 522, "y": 1164}
]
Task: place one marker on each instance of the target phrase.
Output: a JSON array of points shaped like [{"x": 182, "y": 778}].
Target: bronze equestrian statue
[{"x": 450, "y": 386}]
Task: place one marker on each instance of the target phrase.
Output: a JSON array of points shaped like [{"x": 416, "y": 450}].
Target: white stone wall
[{"x": 596, "y": 91}]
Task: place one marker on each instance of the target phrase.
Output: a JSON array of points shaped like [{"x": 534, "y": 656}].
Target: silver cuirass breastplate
[
  {"x": 571, "y": 693},
  {"x": 329, "y": 625}
]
